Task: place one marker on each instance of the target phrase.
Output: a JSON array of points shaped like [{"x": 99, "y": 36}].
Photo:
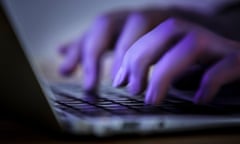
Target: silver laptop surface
[{"x": 39, "y": 27}]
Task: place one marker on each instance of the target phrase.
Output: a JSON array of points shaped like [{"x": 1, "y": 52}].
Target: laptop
[{"x": 66, "y": 108}]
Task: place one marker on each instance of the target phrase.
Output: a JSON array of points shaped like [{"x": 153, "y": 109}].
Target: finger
[
  {"x": 198, "y": 45},
  {"x": 225, "y": 71},
  {"x": 136, "y": 25},
  {"x": 173, "y": 63},
  {"x": 72, "y": 57},
  {"x": 63, "y": 49},
  {"x": 147, "y": 51},
  {"x": 97, "y": 42}
]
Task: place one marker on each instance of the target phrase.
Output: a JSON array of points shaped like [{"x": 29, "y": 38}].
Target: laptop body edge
[
  {"x": 30, "y": 102},
  {"x": 20, "y": 86}
]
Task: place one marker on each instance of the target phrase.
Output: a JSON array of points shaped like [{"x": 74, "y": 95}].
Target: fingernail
[
  {"x": 115, "y": 70},
  {"x": 149, "y": 96},
  {"x": 89, "y": 77},
  {"x": 88, "y": 83},
  {"x": 119, "y": 78},
  {"x": 199, "y": 98},
  {"x": 63, "y": 70},
  {"x": 133, "y": 88}
]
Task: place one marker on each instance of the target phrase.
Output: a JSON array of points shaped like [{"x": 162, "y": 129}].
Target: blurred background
[{"x": 44, "y": 25}]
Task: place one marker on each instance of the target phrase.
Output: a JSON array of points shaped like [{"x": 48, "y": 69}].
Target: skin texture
[{"x": 143, "y": 38}]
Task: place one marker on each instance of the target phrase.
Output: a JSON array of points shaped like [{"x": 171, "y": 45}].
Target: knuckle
[
  {"x": 132, "y": 60},
  {"x": 173, "y": 22},
  {"x": 236, "y": 59},
  {"x": 170, "y": 25},
  {"x": 137, "y": 18},
  {"x": 135, "y": 62},
  {"x": 89, "y": 53},
  {"x": 90, "y": 50},
  {"x": 198, "y": 37},
  {"x": 198, "y": 40},
  {"x": 209, "y": 80},
  {"x": 103, "y": 20}
]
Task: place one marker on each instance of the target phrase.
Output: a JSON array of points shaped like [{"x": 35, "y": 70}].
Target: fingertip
[
  {"x": 63, "y": 49},
  {"x": 133, "y": 87},
  {"x": 90, "y": 83},
  {"x": 120, "y": 77},
  {"x": 89, "y": 87},
  {"x": 201, "y": 97},
  {"x": 90, "y": 76},
  {"x": 197, "y": 97},
  {"x": 149, "y": 97},
  {"x": 64, "y": 70},
  {"x": 115, "y": 69}
]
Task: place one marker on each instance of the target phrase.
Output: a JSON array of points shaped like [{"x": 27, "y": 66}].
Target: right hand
[{"x": 118, "y": 29}]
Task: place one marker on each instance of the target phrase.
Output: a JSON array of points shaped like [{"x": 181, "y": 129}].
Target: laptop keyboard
[{"x": 110, "y": 101}]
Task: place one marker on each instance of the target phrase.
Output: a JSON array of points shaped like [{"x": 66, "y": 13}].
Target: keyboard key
[{"x": 111, "y": 101}]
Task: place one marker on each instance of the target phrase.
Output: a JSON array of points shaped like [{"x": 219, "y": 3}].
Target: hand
[
  {"x": 173, "y": 46},
  {"x": 123, "y": 26}
]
